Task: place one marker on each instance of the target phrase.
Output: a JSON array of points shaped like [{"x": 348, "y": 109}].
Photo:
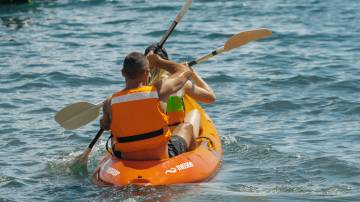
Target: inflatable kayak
[{"x": 197, "y": 165}]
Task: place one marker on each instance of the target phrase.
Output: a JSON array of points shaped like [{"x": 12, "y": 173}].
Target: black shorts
[{"x": 176, "y": 146}]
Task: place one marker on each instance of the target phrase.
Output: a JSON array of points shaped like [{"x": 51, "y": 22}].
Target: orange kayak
[{"x": 197, "y": 165}]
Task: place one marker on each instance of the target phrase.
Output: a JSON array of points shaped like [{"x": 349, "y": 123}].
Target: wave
[
  {"x": 302, "y": 80},
  {"x": 354, "y": 111},
  {"x": 350, "y": 86},
  {"x": 119, "y": 22},
  {"x": 53, "y": 79},
  {"x": 218, "y": 35},
  {"x": 8, "y": 105},
  {"x": 279, "y": 105},
  {"x": 330, "y": 166},
  {"x": 220, "y": 78},
  {"x": 246, "y": 148},
  {"x": 11, "y": 182},
  {"x": 159, "y": 8},
  {"x": 312, "y": 37}
]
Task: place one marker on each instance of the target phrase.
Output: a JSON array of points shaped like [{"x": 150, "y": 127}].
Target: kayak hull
[{"x": 197, "y": 165}]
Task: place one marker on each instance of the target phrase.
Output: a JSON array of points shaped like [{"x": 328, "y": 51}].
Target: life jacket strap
[
  {"x": 174, "y": 124},
  {"x": 141, "y": 136}
]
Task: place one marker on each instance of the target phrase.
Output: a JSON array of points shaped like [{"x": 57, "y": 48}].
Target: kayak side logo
[
  {"x": 108, "y": 169},
  {"x": 180, "y": 167},
  {"x": 113, "y": 171},
  {"x": 171, "y": 170}
]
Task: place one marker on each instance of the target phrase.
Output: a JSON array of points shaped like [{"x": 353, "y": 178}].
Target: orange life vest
[
  {"x": 175, "y": 118},
  {"x": 138, "y": 122}
]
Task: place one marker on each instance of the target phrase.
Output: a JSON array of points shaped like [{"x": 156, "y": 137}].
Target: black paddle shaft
[
  {"x": 91, "y": 145},
  {"x": 167, "y": 34}
]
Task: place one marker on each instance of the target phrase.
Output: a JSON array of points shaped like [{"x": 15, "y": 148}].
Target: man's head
[{"x": 136, "y": 67}]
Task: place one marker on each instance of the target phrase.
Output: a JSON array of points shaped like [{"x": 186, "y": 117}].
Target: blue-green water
[{"x": 288, "y": 107}]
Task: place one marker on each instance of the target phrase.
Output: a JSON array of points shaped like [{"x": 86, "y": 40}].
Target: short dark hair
[{"x": 134, "y": 65}]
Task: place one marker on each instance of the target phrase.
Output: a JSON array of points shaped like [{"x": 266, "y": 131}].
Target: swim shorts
[{"x": 176, "y": 146}]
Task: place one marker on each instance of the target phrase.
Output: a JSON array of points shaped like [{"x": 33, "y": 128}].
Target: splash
[{"x": 72, "y": 164}]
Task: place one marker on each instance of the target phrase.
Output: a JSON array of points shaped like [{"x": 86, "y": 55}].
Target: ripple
[
  {"x": 12, "y": 183},
  {"x": 218, "y": 35},
  {"x": 332, "y": 166},
  {"x": 8, "y": 106},
  {"x": 353, "y": 111},
  {"x": 279, "y": 106},
  {"x": 220, "y": 78},
  {"x": 49, "y": 80},
  {"x": 43, "y": 110},
  {"x": 119, "y": 21},
  {"x": 302, "y": 80},
  {"x": 15, "y": 143},
  {"x": 351, "y": 86},
  {"x": 157, "y": 8}
]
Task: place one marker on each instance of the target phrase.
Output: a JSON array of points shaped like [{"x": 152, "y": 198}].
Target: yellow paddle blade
[
  {"x": 77, "y": 115},
  {"x": 246, "y": 37}
]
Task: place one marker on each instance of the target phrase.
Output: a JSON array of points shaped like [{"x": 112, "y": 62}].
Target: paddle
[
  {"x": 178, "y": 17},
  {"x": 235, "y": 41},
  {"x": 77, "y": 115},
  {"x": 74, "y": 116}
]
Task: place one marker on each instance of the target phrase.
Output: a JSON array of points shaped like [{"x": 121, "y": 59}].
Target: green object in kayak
[{"x": 175, "y": 104}]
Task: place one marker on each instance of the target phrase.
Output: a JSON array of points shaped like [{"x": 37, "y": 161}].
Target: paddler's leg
[
  {"x": 185, "y": 134},
  {"x": 193, "y": 118}
]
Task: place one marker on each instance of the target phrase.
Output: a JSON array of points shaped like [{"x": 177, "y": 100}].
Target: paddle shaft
[
  {"x": 167, "y": 34},
  {"x": 83, "y": 158},
  {"x": 175, "y": 22},
  {"x": 206, "y": 57},
  {"x": 91, "y": 145},
  {"x": 235, "y": 41}
]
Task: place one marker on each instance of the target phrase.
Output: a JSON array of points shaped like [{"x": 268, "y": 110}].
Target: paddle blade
[
  {"x": 78, "y": 114},
  {"x": 183, "y": 10},
  {"x": 243, "y": 38},
  {"x": 79, "y": 164}
]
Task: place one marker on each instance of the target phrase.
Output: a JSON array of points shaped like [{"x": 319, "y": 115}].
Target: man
[{"x": 138, "y": 125}]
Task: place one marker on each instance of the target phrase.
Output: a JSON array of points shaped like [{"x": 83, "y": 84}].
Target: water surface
[{"x": 287, "y": 107}]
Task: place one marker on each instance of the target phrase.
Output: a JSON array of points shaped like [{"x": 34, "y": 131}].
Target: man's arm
[
  {"x": 180, "y": 74},
  {"x": 199, "y": 89},
  {"x": 105, "y": 121}
]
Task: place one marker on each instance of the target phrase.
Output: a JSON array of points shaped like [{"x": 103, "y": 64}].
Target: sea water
[{"x": 287, "y": 107}]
